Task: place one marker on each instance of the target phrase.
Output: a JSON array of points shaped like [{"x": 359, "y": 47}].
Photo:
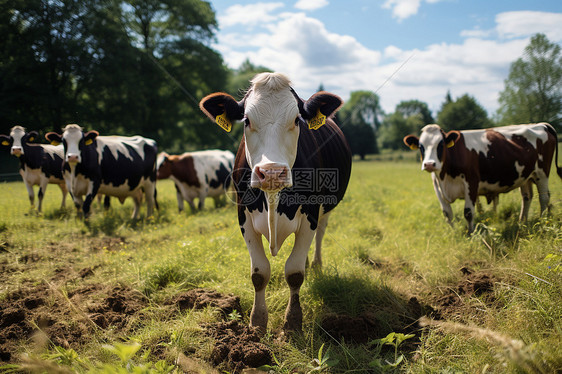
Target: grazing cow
[
  {"x": 197, "y": 175},
  {"x": 110, "y": 165},
  {"x": 466, "y": 164},
  {"x": 40, "y": 164},
  {"x": 291, "y": 170}
]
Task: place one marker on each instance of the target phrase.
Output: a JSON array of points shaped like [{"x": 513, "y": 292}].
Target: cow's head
[
  {"x": 74, "y": 140},
  {"x": 272, "y": 114},
  {"x": 163, "y": 166},
  {"x": 432, "y": 144},
  {"x": 16, "y": 140}
]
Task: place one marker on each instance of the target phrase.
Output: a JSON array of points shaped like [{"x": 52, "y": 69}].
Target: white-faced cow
[
  {"x": 197, "y": 175},
  {"x": 291, "y": 170},
  {"x": 40, "y": 164},
  {"x": 111, "y": 165},
  {"x": 466, "y": 164}
]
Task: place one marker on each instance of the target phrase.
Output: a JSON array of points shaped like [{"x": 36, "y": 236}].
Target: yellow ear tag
[
  {"x": 88, "y": 142},
  {"x": 55, "y": 143},
  {"x": 31, "y": 139},
  {"x": 318, "y": 121},
  {"x": 223, "y": 122},
  {"x": 413, "y": 147},
  {"x": 5, "y": 142},
  {"x": 450, "y": 144}
]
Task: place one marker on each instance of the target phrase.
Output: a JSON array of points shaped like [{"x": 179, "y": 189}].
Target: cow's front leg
[
  {"x": 320, "y": 231},
  {"x": 260, "y": 273},
  {"x": 294, "y": 275},
  {"x": 470, "y": 199},
  {"x": 41, "y": 194},
  {"x": 90, "y": 195},
  {"x": 64, "y": 193},
  {"x": 445, "y": 206},
  {"x": 179, "y": 198},
  {"x": 30, "y": 193},
  {"x": 526, "y": 198}
]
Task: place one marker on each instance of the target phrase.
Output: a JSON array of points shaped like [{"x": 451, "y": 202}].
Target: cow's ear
[
  {"x": 320, "y": 106},
  {"x": 53, "y": 138},
  {"x": 452, "y": 137},
  {"x": 412, "y": 141},
  {"x": 223, "y": 109},
  {"x": 90, "y": 136},
  {"x": 5, "y": 140},
  {"x": 32, "y": 136}
]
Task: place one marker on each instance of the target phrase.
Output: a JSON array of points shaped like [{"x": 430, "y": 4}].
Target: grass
[{"x": 386, "y": 243}]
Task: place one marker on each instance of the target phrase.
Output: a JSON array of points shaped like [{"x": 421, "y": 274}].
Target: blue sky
[{"x": 400, "y": 49}]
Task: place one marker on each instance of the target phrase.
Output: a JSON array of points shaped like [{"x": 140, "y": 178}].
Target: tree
[
  {"x": 533, "y": 89},
  {"x": 359, "y": 120},
  {"x": 463, "y": 114},
  {"x": 239, "y": 79},
  {"x": 395, "y": 126},
  {"x": 415, "y": 107}
]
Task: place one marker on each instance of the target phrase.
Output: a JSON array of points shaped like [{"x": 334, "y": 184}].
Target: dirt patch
[
  {"x": 453, "y": 302},
  {"x": 200, "y": 298},
  {"x": 67, "y": 321},
  {"x": 360, "y": 329},
  {"x": 237, "y": 346}
]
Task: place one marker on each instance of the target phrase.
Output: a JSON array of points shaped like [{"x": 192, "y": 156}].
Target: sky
[{"x": 399, "y": 49}]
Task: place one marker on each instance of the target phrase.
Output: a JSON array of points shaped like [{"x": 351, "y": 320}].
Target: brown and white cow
[
  {"x": 291, "y": 170},
  {"x": 466, "y": 164},
  {"x": 40, "y": 164},
  {"x": 197, "y": 175}
]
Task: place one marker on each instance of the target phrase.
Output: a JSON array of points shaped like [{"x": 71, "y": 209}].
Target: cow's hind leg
[
  {"x": 149, "y": 195},
  {"x": 41, "y": 194},
  {"x": 320, "y": 231},
  {"x": 544, "y": 193},
  {"x": 526, "y": 197},
  {"x": 294, "y": 275}
]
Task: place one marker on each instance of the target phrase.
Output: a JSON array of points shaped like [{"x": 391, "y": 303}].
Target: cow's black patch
[{"x": 221, "y": 177}]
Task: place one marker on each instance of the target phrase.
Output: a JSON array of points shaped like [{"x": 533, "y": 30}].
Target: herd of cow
[{"x": 291, "y": 170}]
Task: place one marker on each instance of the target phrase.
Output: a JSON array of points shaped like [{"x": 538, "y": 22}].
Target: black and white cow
[
  {"x": 111, "y": 165},
  {"x": 466, "y": 164},
  {"x": 197, "y": 175},
  {"x": 40, "y": 164},
  {"x": 291, "y": 170}
]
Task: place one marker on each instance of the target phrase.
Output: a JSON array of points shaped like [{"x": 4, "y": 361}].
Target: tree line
[{"x": 138, "y": 66}]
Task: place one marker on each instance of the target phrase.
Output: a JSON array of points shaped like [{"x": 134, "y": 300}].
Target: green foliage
[
  {"x": 359, "y": 120},
  {"x": 463, "y": 114},
  {"x": 533, "y": 90},
  {"x": 121, "y": 67},
  {"x": 395, "y": 127},
  {"x": 395, "y": 340}
]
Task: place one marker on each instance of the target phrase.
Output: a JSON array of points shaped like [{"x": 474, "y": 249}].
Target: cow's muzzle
[
  {"x": 271, "y": 177},
  {"x": 72, "y": 159},
  {"x": 17, "y": 151},
  {"x": 429, "y": 166}
]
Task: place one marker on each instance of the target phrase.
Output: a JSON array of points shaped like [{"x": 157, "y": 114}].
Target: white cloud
[
  {"x": 525, "y": 23},
  {"x": 402, "y": 9},
  {"x": 309, "y": 53},
  {"x": 252, "y": 14},
  {"x": 311, "y": 4}
]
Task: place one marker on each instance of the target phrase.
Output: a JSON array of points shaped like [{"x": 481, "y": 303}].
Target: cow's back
[
  {"x": 126, "y": 160},
  {"x": 214, "y": 168}
]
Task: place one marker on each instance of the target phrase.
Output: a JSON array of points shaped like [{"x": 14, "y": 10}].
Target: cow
[
  {"x": 466, "y": 164},
  {"x": 197, "y": 175},
  {"x": 291, "y": 170},
  {"x": 40, "y": 164},
  {"x": 111, "y": 165}
]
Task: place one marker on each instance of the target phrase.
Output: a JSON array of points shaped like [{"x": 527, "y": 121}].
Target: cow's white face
[
  {"x": 72, "y": 136},
  {"x": 17, "y": 133},
  {"x": 432, "y": 144},
  {"x": 271, "y": 137}
]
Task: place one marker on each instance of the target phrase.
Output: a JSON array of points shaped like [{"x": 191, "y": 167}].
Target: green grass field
[{"x": 110, "y": 295}]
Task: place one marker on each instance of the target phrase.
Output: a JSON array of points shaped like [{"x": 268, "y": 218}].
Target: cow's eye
[
  {"x": 297, "y": 121},
  {"x": 246, "y": 121}
]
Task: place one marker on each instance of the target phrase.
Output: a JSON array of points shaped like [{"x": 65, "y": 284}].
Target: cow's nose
[
  {"x": 72, "y": 158},
  {"x": 271, "y": 177},
  {"x": 16, "y": 151},
  {"x": 429, "y": 166}
]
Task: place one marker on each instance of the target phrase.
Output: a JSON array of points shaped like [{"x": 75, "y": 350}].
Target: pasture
[{"x": 173, "y": 293}]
